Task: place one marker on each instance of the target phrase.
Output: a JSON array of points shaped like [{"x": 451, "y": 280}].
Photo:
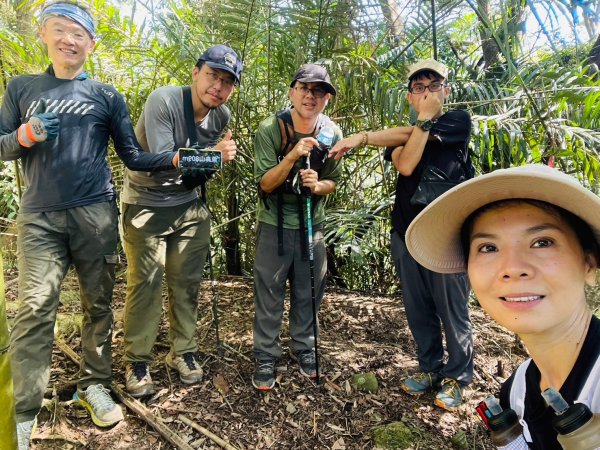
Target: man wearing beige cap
[{"x": 433, "y": 301}]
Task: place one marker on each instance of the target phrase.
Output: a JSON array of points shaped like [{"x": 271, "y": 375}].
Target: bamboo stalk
[{"x": 213, "y": 437}]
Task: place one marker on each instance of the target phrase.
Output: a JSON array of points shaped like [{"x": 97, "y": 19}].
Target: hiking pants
[
  {"x": 171, "y": 240},
  {"x": 270, "y": 274},
  {"x": 48, "y": 243},
  {"x": 432, "y": 301}
]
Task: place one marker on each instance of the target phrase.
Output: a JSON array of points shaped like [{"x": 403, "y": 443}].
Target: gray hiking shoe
[
  {"x": 264, "y": 374},
  {"x": 24, "y": 432},
  {"x": 137, "y": 379},
  {"x": 307, "y": 362},
  {"x": 187, "y": 365},
  {"x": 96, "y": 398}
]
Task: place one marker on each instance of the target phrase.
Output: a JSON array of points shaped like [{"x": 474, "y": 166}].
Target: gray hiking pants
[
  {"x": 174, "y": 241},
  {"x": 270, "y": 274},
  {"x": 48, "y": 243},
  {"x": 432, "y": 301}
]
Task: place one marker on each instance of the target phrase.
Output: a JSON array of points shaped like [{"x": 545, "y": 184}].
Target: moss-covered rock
[
  {"x": 365, "y": 382},
  {"x": 395, "y": 435}
]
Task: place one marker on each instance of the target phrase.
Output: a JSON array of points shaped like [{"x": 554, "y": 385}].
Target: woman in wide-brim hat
[{"x": 528, "y": 239}]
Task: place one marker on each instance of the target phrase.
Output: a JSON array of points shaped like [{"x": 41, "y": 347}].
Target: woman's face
[{"x": 527, "y": 268}]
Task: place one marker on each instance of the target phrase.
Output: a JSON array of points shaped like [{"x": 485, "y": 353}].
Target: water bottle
[
  {"x": 325, "y": 137},
  {"x": 319, "y": 153},
  {"x": 577, "y": 427},
  {"x": 507, "y": 432}
]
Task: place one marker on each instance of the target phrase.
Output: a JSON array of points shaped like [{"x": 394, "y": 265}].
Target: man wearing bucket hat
[
  {"x": 166, "y": 225},
  {"x": 529, "y": 239},
  {"x": 282, "y": 142},
  {"x": 59, "y": 124},
  {"x": 438, "y": 141}
]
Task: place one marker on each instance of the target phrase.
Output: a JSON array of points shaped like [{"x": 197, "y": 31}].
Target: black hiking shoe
[
  {"x": 307, "y": 362},
  {"x": 264, "y": 374}
]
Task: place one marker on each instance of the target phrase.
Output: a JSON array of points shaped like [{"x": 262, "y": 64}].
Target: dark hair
[
  {"x": 582, "y": 230},
  {"x": 429, "y": 74}
]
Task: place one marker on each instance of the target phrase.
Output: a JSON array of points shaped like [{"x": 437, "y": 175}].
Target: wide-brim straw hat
[{"x": 433, "y": 237}]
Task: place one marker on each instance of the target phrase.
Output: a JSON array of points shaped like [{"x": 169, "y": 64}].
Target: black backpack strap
[
  {"x": 286, "y": 131},
  {"x": 303, "y": 232},
  {"x": 188, "y": 112},
  {"x": 190, "y": 123},
  {"x": 279, "y": 223}
]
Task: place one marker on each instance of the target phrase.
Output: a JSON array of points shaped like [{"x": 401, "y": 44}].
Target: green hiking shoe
[
  {"x": 420, "y": 383},
  {"x": 97, "y": 400},
  {"x": 450, "y": 395}
]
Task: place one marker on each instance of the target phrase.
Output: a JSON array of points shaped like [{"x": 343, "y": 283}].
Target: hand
[
  {"x": 428, "y": 106},
  {"x": 310, "y": 179},
  {"x": 175, "y": 160},
  {"x": 345, "y": 145},
  {"x": 302, "y": 148},
  {"x": 40, "y": 127},
  {"x": 227, "y": 147}
]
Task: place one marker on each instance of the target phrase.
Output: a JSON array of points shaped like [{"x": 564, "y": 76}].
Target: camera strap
[{"x": 190, "y": 122}]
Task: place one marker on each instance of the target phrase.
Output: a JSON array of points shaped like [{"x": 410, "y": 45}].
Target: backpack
[
  {"x": 317, "y": 158},
  {"x": 589, "y": 395}
]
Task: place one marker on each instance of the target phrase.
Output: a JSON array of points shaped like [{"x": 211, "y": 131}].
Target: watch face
[{"x": 425, "y": 125}]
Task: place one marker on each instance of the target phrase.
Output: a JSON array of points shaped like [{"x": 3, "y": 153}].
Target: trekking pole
[
  {"x": 215, "y": 305},
  {"x": 311, "y": 265},
  {"x": 213, "y": 286}
]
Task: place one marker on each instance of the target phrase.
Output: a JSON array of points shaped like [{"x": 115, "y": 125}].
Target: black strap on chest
[
  {"x": 190, "y": 122},
  {"x": 288, "y": 141}
]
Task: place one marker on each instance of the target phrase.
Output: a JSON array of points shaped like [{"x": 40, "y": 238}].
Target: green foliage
[{"x": 525, "y": 107}]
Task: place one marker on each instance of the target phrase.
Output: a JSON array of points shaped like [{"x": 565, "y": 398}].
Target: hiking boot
[
  {"x": 187, "y": 365},
  {"x": 24, "y": 432},
  {"x": 450, "y": 395},
  {"x": 96, "y": 398},
  {"x": 264, "y": 374},
  {"x": 137, "y": 379},
  {"x": 420, "y": 383},
  {"x": 307, "y": 362}
]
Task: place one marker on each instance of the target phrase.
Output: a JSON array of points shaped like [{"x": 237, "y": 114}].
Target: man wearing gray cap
[
  {"x": 59, "y": 124},
  {"x": 437, "y": 142},
  {"x": 283, "y": 141},
  {"x": 166, "y": 225}
]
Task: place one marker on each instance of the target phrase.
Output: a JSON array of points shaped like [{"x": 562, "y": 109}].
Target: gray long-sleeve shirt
[{"x": 162, "y": 128}]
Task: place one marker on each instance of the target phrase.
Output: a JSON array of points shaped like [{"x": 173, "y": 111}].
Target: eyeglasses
[
  {"x": 77, "y": 36},
  {"x": 226, "y": 81},
  {"x": 436, "y": 86},
  {"x": 317, "y": 92}
]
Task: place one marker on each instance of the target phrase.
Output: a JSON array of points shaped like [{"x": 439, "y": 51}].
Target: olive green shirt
[{"x": 266, "y": 148}]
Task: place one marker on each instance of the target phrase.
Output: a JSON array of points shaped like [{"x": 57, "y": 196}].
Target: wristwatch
[{"x": 424, "y": 125}]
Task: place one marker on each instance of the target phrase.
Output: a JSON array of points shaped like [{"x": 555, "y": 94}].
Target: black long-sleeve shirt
[{"x": 71, "y": 170}]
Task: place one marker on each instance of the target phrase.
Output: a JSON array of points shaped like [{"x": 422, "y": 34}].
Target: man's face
[
  {"x": 426, "y": 91},
  {"x": 69, "y": 44},
  {"x": 309, "y": 99},
  {"x": 213, "y": 87}
]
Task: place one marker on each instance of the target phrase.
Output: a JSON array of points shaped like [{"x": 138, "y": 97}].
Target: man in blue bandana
[{"x": 59, "y": 124}]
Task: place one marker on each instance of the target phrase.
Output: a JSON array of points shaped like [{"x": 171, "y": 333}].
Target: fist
[{"x": 40, "y": 127}]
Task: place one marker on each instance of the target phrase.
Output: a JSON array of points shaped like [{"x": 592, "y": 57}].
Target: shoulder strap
[
  {"x": 590, "y": 394},
  {"x": 517, "y": 396},
  {"x": 188, "y": 112},
  {"x": 286, "y": 130},
  {"x": 190, "y": 122}
]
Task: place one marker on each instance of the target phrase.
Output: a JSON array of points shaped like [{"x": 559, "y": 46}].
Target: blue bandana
[{"x": 72, "y": 12}]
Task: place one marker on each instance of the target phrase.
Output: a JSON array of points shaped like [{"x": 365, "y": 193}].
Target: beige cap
[
  {"x": 428, "y": 64},
  {"x": 433, "y": 237}
]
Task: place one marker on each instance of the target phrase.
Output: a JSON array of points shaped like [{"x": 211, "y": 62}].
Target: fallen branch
[
  {"x": 213, "y": 437},
  {"x": 134, "y": 405}
]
